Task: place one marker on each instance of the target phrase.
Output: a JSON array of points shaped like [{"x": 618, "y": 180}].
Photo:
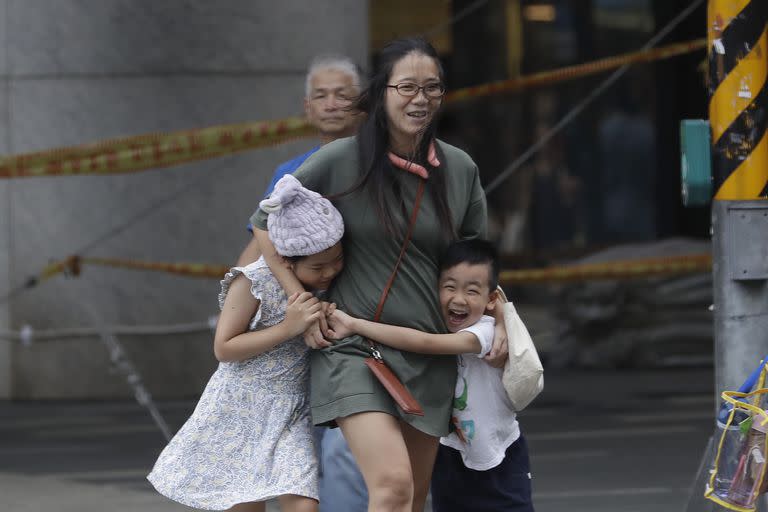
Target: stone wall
[{"x": 77, "y": 71}]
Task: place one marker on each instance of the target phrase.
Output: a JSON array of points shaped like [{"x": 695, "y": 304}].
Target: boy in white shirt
[{"x": 482, "y": 465}]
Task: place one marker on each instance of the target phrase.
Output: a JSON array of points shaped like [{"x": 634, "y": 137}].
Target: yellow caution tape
[
  {"x": 577, "y": 71},
  {"x": 183, "y": 269},
  {"x": 70, "y": 266},
  {"x": 142, "y": 152},
  {"x": 630, "y": 269}
]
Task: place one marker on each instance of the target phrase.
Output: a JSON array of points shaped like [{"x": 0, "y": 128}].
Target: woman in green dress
[{"x": 372, "y": 179}]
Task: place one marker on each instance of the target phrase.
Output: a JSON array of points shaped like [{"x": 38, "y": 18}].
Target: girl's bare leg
[
  {"x": 376, "y": 441},
  {"x": 252, "y": 506},
  {"x": 422, "y": 450},
  {"x": 294, "y": 503}
]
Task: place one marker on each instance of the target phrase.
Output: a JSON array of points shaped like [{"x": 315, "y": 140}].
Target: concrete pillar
[
  {"x": 740, "y": 281},
  {"x": 5, "y": 213},
  {"x": 85, "y": 70},
  {"x": 5, "y": 345}
]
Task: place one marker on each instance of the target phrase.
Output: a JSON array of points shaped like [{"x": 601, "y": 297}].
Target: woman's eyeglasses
[{"x": 407, "y": 89}]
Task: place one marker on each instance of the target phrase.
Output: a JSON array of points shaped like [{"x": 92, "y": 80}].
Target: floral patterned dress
[{"x": 250, "y": 436}]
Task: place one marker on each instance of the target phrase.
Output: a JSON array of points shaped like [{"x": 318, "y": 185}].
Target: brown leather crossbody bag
[{"x": 399, "y": 393}]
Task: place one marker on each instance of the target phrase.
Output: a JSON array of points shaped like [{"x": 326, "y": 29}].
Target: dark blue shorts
[{"x": 507, "y": 487}]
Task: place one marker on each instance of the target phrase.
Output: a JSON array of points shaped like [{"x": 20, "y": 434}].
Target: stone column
[
  {"x": 5, "y": 211},
  {"x": 86, "y": 70}
]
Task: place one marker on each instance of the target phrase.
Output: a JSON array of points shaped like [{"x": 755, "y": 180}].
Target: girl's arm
[
  {"x": 233, "y": 341},
  {"x": 276, "y": 263},
  {"x": 250, "y": 254},
  {"x": 313, "y": 336},
  {"x": 404, "y": 338}
]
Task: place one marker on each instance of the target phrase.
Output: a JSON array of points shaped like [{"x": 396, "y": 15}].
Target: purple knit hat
[{"x": 301, "y": 222}]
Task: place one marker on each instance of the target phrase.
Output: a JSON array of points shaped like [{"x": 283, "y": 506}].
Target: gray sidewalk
[
  {"x": 618, "y": 441},
  {"x": 20, "y": 493}
]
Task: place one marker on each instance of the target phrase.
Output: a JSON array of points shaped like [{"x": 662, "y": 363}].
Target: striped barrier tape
[
  {"x": 577, "y": 71},
  {"x": 142, "y": 152},
  {"x": 183, "y": 269},
  {"x": 629, "y": 269},
  {"x": 69, "y": 266}
]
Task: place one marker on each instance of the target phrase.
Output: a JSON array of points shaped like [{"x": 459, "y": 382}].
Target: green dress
[{"x": 340, "y": 384}]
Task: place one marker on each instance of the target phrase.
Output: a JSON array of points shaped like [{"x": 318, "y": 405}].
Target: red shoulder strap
[{"x": 409, "y": 233}]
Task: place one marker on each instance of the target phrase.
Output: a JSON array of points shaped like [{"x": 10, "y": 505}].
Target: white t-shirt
[{"x": 482, "y": 413}]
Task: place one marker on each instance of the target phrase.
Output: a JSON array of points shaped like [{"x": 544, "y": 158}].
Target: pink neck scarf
[{"x": 413, "y": 167}]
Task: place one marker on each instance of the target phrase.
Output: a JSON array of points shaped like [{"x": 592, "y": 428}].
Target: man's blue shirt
[
  {"x": 285, "y": 168},
  {"x": 288, "y": 168}
]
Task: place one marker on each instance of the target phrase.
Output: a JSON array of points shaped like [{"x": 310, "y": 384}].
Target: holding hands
[
  {"x": 318, "y": 329},
  {"x": 340, "y": 324},
  {"x": 303, "y": 311},
  {"x": 314, "y": 337}
]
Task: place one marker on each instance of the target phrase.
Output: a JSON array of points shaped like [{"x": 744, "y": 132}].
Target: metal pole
[
  {"x": 738, "y": 116},
  {"x": 122, "y": 364},
  {"x": 738, "y": 110}
]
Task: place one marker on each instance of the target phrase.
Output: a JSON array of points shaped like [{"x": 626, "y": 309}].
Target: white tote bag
[{"x": 523, "y": 376}]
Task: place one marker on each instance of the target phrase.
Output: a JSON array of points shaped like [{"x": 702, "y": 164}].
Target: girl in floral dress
[{"x": 250, "y": 437}]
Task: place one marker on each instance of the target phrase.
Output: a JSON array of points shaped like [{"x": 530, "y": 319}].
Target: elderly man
[{"x": 332, "y": 84}]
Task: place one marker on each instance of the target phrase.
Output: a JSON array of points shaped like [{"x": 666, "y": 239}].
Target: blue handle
[
  {"x": 752, "y": 379},
  {"x": 725, "y": 410}
]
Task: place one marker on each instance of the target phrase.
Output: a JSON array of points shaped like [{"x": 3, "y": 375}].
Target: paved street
[{"x": 627, "y": 441}]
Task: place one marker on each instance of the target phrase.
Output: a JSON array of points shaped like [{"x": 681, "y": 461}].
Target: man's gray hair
[{"x": 336, "y": 62}]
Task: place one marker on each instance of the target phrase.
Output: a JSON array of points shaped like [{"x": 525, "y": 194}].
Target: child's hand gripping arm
[
  {"x": 313, "y": 336},
  {"x": 500, "y": 351},
  {"x": 403, "y": 338},
  {"x": 233, "y": 341}
]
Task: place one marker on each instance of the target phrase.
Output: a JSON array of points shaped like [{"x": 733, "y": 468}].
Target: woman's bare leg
[
  {"x": 422, "y": 450},
  {"x": 252, "y": 506},
  {"x": 294, "y": 503},
  {"x": 376, "y": 441}
]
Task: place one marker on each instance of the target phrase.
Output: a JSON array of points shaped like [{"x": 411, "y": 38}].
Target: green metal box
[{"x": 696, "y": 162}]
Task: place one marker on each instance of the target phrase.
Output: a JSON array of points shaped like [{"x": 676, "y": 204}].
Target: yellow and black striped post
[
  {"x": 738, "y": 106},
  {"x": 738, "y": 118}
]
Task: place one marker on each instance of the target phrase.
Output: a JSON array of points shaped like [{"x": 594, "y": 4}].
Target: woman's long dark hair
[{"x": 373, "y": 144}]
